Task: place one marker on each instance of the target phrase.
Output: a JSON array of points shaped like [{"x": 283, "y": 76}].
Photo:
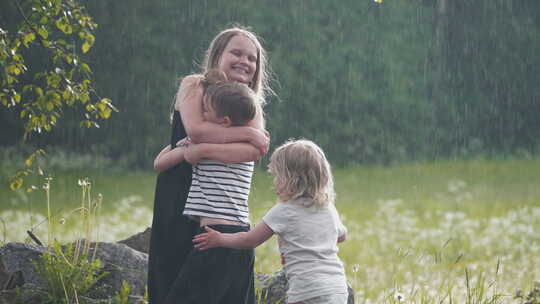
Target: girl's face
[{"x": 239, "y": 59}]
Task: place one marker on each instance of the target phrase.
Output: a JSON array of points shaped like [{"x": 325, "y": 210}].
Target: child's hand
[
  {"x": 207, "y": 240},
  {"x": 261, "y": 140},
  {"x": 191, "y": 155},
  {"x": 184, "y": 142}
]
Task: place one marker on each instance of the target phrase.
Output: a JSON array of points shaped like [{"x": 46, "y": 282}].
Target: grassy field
[{"x": 442, "y": 232}]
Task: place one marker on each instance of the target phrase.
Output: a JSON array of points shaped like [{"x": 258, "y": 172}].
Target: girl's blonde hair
[
  {"x": 260, "y": 82},
  {"x": 301, "y": 170}
]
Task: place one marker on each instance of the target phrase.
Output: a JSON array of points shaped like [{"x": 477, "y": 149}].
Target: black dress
[{"x": 172, "y": 233}]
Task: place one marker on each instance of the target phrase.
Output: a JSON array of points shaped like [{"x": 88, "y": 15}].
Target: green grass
[{"x": 441, "y": 232}]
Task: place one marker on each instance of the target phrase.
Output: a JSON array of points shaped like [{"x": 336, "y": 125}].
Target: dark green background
[{"x": 369, "y": 82}]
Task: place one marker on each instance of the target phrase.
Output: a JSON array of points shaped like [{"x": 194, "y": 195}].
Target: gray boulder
[
  {"x": 16, "y": 264},
  {"x": 121, "y": 262},
  {"x": 139, "y": 241}
]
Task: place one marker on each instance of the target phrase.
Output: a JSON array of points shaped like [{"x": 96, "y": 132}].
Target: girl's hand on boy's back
[
  {"x": 207, "y": 240},
  {"x": 260, "y": 139}
]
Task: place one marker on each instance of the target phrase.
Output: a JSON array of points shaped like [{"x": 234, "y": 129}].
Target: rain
[{"x": 427, "y": 110}]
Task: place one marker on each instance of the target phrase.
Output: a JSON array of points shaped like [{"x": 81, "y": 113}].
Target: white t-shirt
[{"x": 307, "y": 238}]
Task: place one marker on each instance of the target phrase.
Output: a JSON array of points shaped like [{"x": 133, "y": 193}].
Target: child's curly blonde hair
[{"x": 300, "y": 170}]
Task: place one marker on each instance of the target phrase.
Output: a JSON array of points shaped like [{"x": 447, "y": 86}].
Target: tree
[{"x": 57, "y": 32}]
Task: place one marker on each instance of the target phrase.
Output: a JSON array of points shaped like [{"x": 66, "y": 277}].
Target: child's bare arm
[
  {"x": 241, "y": 240},
  {"x": 169, "y": 158},
  {"x": 227, "y": 153},
  {"x": 189, "y": 104}
]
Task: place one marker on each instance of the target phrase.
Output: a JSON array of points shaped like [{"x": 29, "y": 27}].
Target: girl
[
  {"x": 306, "y": 222},
  {"x": 238, "y": 53}
]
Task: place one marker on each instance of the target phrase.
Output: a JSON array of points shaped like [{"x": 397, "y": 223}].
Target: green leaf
[
  {"x": 28, "y": 38},
  {"x": 16, "y": 183},
  {"x": 86, "y": 68},
  {"x": 85, "y": 47},
  {"x": 62, "y": 25},
  {"x": 106, "y": 113},
  {"x": 13, "y": 69},
  {"x": 43, "y": 33}
]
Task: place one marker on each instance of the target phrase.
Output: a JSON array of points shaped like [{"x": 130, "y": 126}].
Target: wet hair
[
  {"x": 260, "y": 82},
  {"x": 229, "y": 98},
  {"x": 301, "y": 170}
]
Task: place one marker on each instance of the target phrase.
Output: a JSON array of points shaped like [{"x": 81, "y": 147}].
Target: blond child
[{"x": 306, "y": 222}]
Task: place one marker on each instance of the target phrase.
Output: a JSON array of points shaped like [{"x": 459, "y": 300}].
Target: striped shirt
[{"x": 220, "y": 190}]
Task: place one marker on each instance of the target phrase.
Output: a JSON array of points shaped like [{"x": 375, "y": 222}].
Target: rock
[
  {"x": 123, "y": 264},
  {"x": 120, "y": 261},
  {"x": 16, "y": 262},
  {"x": 272, "y": 288},
  {"x": 27, "y": 294},
  {"x": 139, "y": 241}
]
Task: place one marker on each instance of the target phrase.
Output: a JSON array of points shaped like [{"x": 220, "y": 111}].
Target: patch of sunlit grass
[
  {"x": 442, "y": 232},
  {"x": 445, "y": 232}
]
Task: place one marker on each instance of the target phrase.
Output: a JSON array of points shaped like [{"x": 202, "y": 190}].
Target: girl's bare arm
[
  {"x": 241, "y": 240},
  {"x": 226, "y": 153},
  {"x": 189, "y": 103}
]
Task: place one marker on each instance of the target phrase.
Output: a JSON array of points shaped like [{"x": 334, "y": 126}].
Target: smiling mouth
[{"x": 241, "y": 69}]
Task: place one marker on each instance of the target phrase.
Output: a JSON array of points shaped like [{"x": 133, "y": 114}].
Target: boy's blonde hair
[{"x": 301, "y": 170}]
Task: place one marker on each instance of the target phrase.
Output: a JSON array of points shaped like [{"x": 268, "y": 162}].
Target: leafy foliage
[
  {"x": 68, "y": 272},
  {"x": 58, "y": 30}
]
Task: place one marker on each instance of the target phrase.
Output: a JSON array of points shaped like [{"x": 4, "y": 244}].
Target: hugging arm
[
  {"x": 170, "y": 157},
  {"x": 226, "y": 153},
  {"x": 240, "y": 240},
  {"x": 189, "y": 102}
]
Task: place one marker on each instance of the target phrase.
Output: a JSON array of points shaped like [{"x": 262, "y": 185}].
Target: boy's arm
[
  {"x": 189, "y": 103},
  {"x": 240, "y": 240},
  {"x": 226, "y": 153},
  {"x": 169, "y": 158}
]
